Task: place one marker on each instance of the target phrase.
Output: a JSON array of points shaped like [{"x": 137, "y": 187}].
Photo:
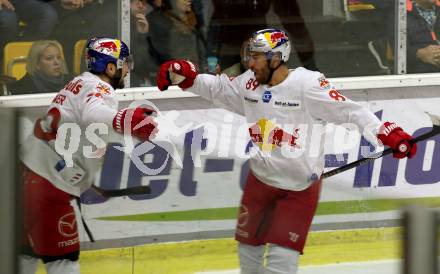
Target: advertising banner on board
[{"x": 200, "y": 173}]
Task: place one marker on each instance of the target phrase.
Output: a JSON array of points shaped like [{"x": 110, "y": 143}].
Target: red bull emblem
[
  {"x": 324, "y": 83},
  {"x": 267, "y": 136},
  {"x": 278, "y": 37},
  {"x": 107, "y": 45},
  {"x": 102, "y": 88}
]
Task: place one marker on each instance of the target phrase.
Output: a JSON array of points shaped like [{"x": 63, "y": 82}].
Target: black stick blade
[{"x": 138, "y": 190}]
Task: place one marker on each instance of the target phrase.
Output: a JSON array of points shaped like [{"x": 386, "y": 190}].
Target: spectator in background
[
  {"x": 242, "y": 66},
  {"x": 40, "y": 18},
  {"x": 423, "y": 32},
  {"x": 139, "y": 9},
  {"x": 91, "y": 15},
  {"x": 382, "y": 14},
  {"x": 174, "y": 33},
  {"x": 80, "y": 19},
  {"x": 232, "y": 21},
  {"x": 8, "y": 24},
  {"x": 155, "y": 4},
  {"x": 46, "y": 69},
  {"x": 139, "y": 31}
]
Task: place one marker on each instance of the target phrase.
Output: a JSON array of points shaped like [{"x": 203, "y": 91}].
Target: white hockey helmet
[{"x": 270, "y": 41}]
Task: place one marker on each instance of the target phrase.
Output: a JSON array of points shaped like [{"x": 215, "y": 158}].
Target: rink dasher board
[{"x": 217, "y": 190}]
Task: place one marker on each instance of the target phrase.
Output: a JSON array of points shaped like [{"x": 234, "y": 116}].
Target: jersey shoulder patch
[
  {"x": 103, "y": 88},
  {"x": 323, "y": 82}
]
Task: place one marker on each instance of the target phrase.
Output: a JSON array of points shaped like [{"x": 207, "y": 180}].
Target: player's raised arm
[{"x": 221, "y": 90}]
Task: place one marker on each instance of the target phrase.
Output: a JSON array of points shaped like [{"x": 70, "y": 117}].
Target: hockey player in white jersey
[
  {"x": 282, "y": 106},
  {"x": 87, "y": 105}
]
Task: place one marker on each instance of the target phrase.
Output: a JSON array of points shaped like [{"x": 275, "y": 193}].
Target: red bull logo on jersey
[
  {"x": 276, "y": 38},
  {"x": 323, "y": 82},
  {"x": 101, "y": 88},
  {"x": 267, "y": 136},
  {"x": 109, "y": 47}
]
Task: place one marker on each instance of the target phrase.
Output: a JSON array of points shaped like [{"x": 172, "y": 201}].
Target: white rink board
[{"x": 213, "y": 188}]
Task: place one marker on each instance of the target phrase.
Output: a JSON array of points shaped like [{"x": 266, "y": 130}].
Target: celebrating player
[
  {"x": 282, "y": 191},
  {"x": 85, "y": 105}
]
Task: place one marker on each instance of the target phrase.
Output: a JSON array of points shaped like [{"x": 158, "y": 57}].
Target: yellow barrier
[{"x": 324, "y": 247}]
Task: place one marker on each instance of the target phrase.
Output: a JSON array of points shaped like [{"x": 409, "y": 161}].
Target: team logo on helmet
[
  {"x": 109, "y": 47},
  {"x": 276, "y": 38},
  {"x": 101, "y": 51},
  {"x": 270, "y": 41}
]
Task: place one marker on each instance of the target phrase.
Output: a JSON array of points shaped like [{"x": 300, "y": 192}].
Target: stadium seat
[
  {"x": 14, "y": 58},
  {"x": 78, "y": 55},
  {"x": 357, "y": 5}
]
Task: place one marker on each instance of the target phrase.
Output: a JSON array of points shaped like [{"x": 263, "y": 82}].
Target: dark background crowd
[{"x": 354, "y": 41}]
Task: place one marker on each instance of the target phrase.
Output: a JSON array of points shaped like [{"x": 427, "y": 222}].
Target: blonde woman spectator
[{"x": 46, "y": 69}]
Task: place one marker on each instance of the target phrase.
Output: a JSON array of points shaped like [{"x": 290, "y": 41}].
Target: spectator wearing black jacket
[
  {"x": 423, "y": 34},
  {"x": 175, "y": 33}
]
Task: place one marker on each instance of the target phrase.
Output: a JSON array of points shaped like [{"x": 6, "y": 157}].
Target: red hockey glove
[
  {"x": 398, "y": 140},
  {"x": 176, "y": 72},
  {"x": 142, "y": 124}
]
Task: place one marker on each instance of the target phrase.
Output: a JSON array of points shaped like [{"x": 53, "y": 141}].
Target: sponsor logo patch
[
  {"x": 293, "y": 237},
  {"x": 267, "y": 96},
  {"x": 67, "y": 225},
  {"x": 287, "y": 104},
  {"x": 251, "y": 100},
  {"x": 68, "y": 242}
]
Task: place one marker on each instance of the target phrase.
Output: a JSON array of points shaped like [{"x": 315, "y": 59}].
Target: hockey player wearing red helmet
[
  {"x": 282, "y": 190},
  {"x": 88, "y": 104}
]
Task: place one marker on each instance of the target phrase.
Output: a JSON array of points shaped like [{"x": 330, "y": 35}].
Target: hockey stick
[
  {"x": 435, "y": 130},
  {"x": 109, "y": 193}
]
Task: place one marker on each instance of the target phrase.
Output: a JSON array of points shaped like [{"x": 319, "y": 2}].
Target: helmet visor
[
  {"x": 250, "y": 54},
  {"x": 257, "y": 47},
  {"x": 247, "y": 53}
]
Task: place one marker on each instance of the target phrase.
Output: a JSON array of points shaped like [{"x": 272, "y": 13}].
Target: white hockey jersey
[
  {"x": 83, "y": 105},
  {"x": 286, "y": 121}
]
